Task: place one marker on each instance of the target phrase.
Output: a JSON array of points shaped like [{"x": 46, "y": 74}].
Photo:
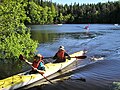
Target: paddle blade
[
  {"x": 80, "y": 57},
  {"x": 21, "y": 57}
]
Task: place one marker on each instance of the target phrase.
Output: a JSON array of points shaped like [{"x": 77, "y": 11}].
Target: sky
[{"x": 80, "y": 1}]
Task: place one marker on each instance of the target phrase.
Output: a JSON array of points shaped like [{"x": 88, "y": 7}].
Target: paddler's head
[
  {"x": 61, "y": 48},
  {"x": 38, "y": 57}
]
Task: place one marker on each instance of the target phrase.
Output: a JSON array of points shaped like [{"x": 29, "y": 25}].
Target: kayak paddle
[{"x": 78, "y": 57}]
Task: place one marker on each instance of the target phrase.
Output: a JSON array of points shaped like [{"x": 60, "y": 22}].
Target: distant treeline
[{"x": 47, "y": 12}]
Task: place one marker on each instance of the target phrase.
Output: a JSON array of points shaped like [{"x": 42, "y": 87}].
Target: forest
[{"x": 46, "y": 12}]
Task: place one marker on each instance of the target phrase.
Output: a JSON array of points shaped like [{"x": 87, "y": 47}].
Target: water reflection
[
  {"x": 43, "y": 36},
  {"x": 46, "y": 36}
]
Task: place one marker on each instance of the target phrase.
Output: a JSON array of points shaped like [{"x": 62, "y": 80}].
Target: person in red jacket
[
  {"x": 61, "y": 55},
  {"x": 37, "y": 63}
]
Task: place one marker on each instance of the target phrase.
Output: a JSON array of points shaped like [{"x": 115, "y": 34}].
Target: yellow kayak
[{"x": 20, "y": 80}]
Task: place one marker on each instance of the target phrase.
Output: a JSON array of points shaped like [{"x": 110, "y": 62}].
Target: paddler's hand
[
  {"x": 21, "y": 57},
  {"x": 35, "y": 69},
  {"x": 67, "y": 57},
  {"x": 28, "y": 62}
]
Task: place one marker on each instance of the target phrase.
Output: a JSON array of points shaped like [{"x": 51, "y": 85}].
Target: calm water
[
  {"x": 73, "y": 37},
  {"x": 102, "y": 41}
]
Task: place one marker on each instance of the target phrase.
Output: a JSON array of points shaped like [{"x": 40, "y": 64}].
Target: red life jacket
[
  {"x": 35, "y": 64},
  {"x": 60, "y": 54},
  {"x": 86, "y": 27}
]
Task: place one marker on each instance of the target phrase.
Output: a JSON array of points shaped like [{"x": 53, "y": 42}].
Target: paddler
[
  {"x": 37, "y": 63},
  {"x": 87, "y": 27},
  {"x": 61, "y": 55}
]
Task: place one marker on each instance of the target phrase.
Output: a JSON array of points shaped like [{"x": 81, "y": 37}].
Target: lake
[{"x": 102, "y": 41}]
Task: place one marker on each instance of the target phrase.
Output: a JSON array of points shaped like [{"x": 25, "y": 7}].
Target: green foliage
[
  {"x": 35, "y": 13},
  {"x": 46, "y": 12},
  {"x": 53, "y": 10},
  {"x": 41, "y": 15},
  {"x": 14, "y": 35},
  {"x": 17, "y": 44}
]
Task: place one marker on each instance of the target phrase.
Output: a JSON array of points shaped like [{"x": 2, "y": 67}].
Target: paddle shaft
[
  {"x": 29, "y": 63},
  {"x": 79, "y": 57}
]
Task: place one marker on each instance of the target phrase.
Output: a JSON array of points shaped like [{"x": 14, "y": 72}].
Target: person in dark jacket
[{"x": 61, "y": 55}]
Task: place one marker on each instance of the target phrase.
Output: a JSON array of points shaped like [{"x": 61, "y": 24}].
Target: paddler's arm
[
  {"x": 55, "y": 57},
  {"x": 28, "y": 62},
  {"x": 67, "y": 56}
]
